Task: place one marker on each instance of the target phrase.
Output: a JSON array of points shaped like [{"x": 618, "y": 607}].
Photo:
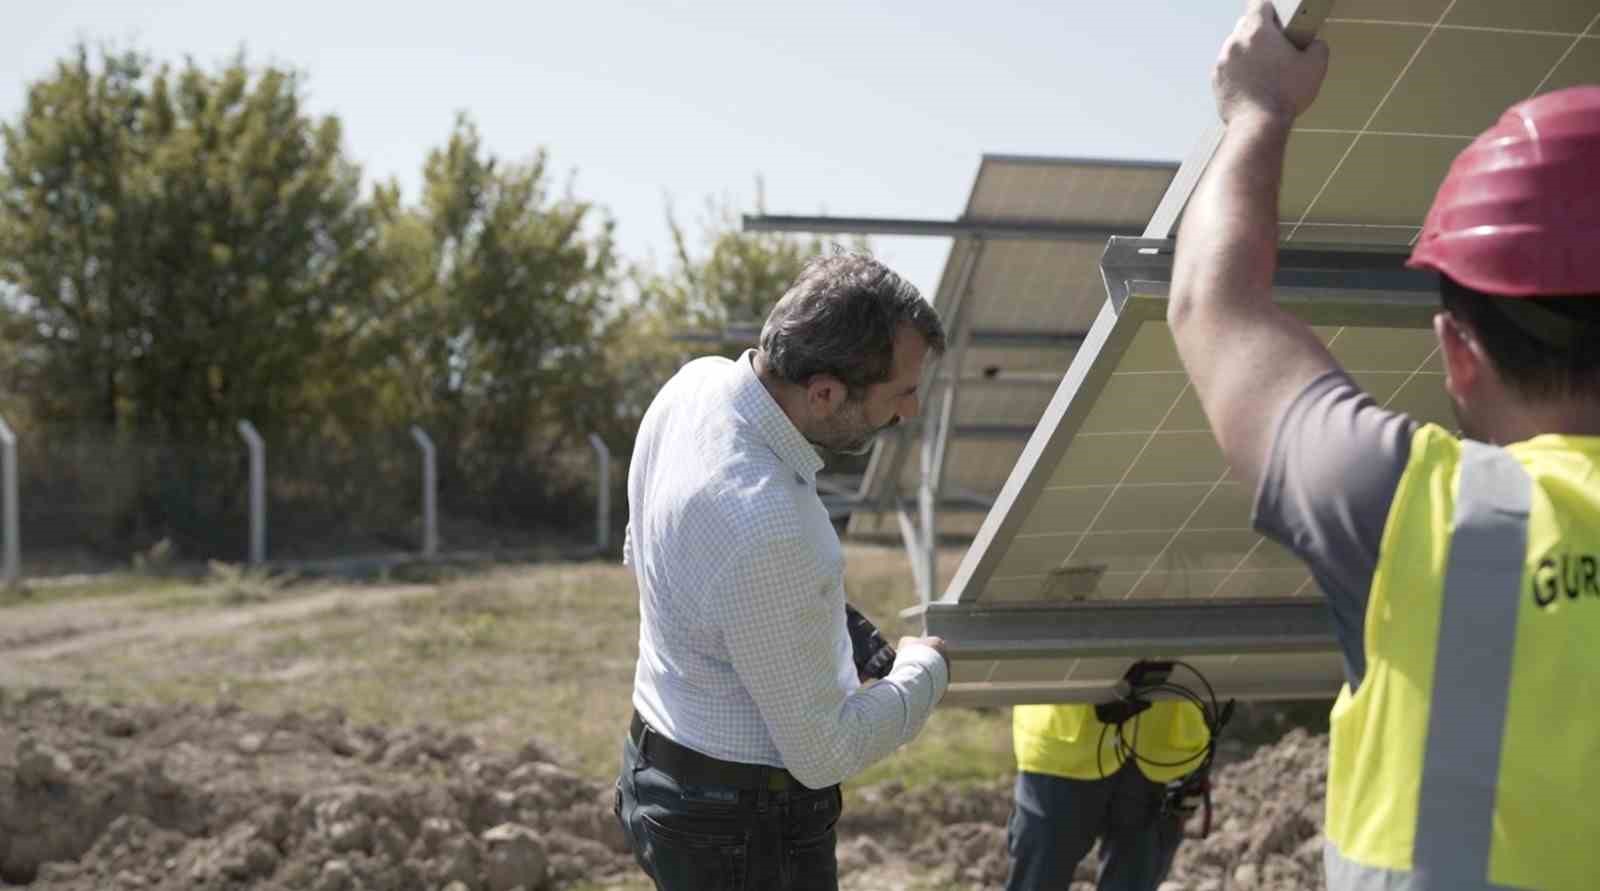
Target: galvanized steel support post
[
  {"x": 602, "y": 517},
  {"x": 258, "y": 491},
  {"x": 430, "y": 491},
  {"x": 10, "y": 513},
  {"x": 937, "y": 428}
]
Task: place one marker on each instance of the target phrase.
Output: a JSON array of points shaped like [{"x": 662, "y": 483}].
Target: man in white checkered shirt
[{"x": 749, "y": 709}]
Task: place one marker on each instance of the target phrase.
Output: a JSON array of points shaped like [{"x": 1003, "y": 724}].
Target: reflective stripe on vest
[{"x": 1471, "y": 685}]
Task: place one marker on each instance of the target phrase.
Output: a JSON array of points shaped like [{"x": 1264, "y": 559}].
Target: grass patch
[
  {"x": 957, "y": 747},
  {"x": 36, "y": 592},
  {"x": 544, "y": 651}
]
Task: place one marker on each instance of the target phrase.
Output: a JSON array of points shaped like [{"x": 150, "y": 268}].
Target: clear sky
[{"x": 872, "y": 109}]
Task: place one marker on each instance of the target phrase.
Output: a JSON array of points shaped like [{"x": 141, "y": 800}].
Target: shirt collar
[{"x": 754, "y": 402}]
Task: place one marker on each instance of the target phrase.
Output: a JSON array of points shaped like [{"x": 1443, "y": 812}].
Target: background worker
[
  {"x": 749, "y": 707},
  {"x": 1076, "y": 784},
  {"x": 1461, "y": 572}
]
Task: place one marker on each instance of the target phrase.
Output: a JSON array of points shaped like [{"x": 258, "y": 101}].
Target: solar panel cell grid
[
  {"x": 1065, "y": 192},
  {"x": 1408, "y": 89},
  {"x": 1142, "y": 505}
]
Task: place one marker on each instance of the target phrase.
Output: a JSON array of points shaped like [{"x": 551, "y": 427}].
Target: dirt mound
[
  {"x": 1266, "y": 829},
  {"x": 216, "y": 797},
  {"x": 1267, "y": 822}
]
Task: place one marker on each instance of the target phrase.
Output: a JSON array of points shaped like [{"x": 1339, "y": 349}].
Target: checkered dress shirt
[{"x": 743, "y": 653}]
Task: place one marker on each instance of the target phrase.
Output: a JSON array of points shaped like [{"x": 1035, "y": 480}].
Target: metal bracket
[
  {"x": 1143, "y": 267},
  {"x": 1086, "y": 629}
]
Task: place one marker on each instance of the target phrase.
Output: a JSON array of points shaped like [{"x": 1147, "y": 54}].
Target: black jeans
[
  {"x": 1055, "y": 821},
  {"x": 722, "y": 838}
]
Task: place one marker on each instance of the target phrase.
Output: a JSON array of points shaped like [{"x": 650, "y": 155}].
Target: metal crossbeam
[
  {"x": 1145, "y": 265},
  {"x": 1088, "y": 628},
  {"x": 986, "y": 338},
  {"x": 841, "y": 505},
  {"x": 981, "y": 431},
  {"x": 968, "y": 227}
]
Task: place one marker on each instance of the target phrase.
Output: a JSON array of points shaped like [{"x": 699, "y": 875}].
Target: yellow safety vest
[
  {"x": 1469, "y": 756},
  {"x": 1069, "y": 741}
]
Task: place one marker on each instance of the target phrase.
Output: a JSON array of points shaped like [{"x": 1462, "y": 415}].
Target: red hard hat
[{"x": 1518, "y": 215}]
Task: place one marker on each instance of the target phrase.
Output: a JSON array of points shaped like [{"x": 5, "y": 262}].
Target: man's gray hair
[{"x": 840, "y": 317}]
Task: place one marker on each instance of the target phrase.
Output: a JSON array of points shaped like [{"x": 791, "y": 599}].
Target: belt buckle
[{"x": 777, "y": 780}]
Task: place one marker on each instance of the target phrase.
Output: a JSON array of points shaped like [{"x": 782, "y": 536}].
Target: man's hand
[
  {"x": 1259, "y": 72},
  {"x": 936, "y": 642}
]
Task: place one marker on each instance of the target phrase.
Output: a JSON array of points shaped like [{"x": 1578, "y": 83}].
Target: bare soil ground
[
  {"x": 460, "y": 734},
  {"x": 33, "y": 642}
]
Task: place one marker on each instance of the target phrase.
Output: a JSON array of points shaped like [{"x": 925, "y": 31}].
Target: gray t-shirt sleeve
[{"x": 1336, "y": 461}]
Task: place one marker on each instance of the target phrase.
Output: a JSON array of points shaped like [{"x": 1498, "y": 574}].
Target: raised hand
[{"x": 1259, "y": 72}]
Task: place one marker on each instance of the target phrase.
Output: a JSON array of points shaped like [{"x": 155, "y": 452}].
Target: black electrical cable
[
  {"x": 1100, "y": 751},
  {"x": 1194, "y": 784},
  {"x": 1211, "y": 712},
  {"x": 1210, "y": 693}
]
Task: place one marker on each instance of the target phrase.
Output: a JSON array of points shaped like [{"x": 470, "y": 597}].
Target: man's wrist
[
  {"x": 1261, "y": 119},
  {"x": 927, "y": 657}
]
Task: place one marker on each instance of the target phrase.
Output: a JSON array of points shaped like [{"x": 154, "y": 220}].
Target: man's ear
[
  {"x": 824, "y": 395},
  {"x": 1464, "y": 359}
]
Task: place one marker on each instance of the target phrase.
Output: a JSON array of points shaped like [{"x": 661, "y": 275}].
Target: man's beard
[{"x": 848, "y": 433}]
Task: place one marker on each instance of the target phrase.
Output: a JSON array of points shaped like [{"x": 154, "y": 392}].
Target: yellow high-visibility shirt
[
  {"x": 1469, "y": 755},
  {"x": 1069, "y": 741}
]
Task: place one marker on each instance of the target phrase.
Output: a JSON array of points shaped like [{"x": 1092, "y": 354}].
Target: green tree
[
  {"x": 735, "y": 276},
  {"x": 725, "y": 282},
  {"x": 494, "y": 304},
  {"x": 183, "y": 246}
]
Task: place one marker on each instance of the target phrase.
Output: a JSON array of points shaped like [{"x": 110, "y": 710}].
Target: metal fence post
[
  {"x": 10, "y": 513},
  {"x": 602, "y": 519},
  {"x": 258, "y": 491},
  {"x": 430, "y": 491}
]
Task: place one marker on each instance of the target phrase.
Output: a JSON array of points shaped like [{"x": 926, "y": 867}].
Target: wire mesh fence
[{"x": 91, "y": 502}]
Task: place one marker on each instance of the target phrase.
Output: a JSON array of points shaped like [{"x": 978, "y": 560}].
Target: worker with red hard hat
[{"x": 1462, "y": 571}]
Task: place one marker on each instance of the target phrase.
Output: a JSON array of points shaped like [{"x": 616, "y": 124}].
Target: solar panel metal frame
[
  {"x": 1151, "y": 629},
  {"x": 1335, "y": 286}
]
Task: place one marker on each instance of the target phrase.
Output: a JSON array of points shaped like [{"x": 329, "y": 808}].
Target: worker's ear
[
  {"x": 1465, "y": 363},
  {"x": 824, "y": 395}
]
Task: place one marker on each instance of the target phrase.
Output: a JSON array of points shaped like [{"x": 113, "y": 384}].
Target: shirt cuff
[{"x": 928, "y": 659}]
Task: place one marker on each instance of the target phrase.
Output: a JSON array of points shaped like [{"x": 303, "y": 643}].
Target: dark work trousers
[
  {"x": 1055, "y": 821},
  {"x": 722, "y": 838}
]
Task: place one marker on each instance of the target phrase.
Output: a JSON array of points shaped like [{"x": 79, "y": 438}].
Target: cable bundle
[{"x": 1144, "y": 679}]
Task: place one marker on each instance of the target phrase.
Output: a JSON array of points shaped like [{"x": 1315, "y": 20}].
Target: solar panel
[
  {"x": 1121, "y": 511},
  {"x": 1120, "y": 514},
  {"x": 1122, "y": 493},
  {"x": 1416, "y": 83},
  {"x": 1410, "y": 84},
  {"x": 1025, "y": 304}
]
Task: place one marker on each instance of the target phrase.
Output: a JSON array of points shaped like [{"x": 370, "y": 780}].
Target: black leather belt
[{"x": 690, "y": 767}]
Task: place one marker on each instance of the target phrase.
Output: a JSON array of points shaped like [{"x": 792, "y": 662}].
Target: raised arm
[{"x": 1246, "y": 357}]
